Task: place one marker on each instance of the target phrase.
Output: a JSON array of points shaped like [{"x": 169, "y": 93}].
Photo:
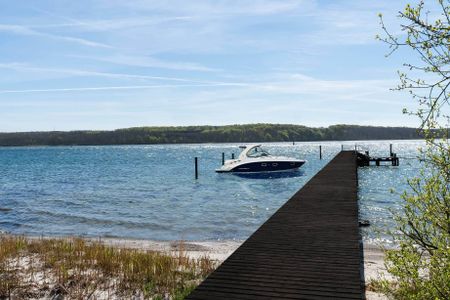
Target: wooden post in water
[
  {"x": 395, "y": 160},
  {"x": 390, "y": 150},
  {"x": 320, "y": 152},
  {"x": 342, "y": 147},
  {"x": 196, "y": 167},
  {"x": 232, "y": 155},
  {"x": 223, "y": 158}
]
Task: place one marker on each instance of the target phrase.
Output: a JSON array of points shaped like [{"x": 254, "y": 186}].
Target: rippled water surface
[{"x": 150, "y": 192}]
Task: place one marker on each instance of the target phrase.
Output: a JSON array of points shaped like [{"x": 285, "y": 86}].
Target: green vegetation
[
  {"x": 76, "y": 269},
  {"x": 421, "y": 264},
  {"x": 207, "y": 134}
]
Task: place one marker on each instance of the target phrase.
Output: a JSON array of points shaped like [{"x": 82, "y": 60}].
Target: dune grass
[{"x": 79, "y": 269}]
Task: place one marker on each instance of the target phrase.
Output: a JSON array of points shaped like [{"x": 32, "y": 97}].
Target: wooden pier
[
  {"x": 364, "y": 159},
  {"x": 309, "y": 249}
]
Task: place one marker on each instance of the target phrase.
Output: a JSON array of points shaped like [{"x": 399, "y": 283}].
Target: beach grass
[{"x": 80, "y": 269}]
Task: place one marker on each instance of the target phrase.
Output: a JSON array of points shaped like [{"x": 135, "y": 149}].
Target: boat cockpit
[{"x": 257, "y": 152}]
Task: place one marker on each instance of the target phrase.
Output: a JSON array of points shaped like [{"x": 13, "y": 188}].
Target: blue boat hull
[{"x": 268, "y": 166}]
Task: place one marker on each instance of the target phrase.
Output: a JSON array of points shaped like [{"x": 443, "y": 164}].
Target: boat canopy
[{"x": 253, "y": 151}]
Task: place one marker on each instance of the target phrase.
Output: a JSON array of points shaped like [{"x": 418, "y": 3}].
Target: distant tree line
[{"x": 208, "y": 134}]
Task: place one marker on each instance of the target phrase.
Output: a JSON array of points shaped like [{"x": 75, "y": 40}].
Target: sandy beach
[
  {"x": 221, "y": 250},
  {"x": 374, "y": 268},
  {"x": 218, "y": 251},
  {"x": 215, "y": 250}
]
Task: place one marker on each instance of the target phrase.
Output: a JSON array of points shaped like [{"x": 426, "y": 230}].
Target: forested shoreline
[{"x": 208, "y": 134}]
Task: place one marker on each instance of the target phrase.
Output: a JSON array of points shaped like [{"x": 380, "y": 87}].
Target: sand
[
  {"x": 216, "y": 250},
  {"x": 221, "y": 250},
  {"x": 374, "y": 269}
]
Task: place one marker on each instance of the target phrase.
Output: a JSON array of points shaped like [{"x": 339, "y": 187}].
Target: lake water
[{"x": 149, "y": 192}]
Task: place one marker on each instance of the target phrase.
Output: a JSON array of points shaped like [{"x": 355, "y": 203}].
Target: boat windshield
[{"x": 257, "y": 152}]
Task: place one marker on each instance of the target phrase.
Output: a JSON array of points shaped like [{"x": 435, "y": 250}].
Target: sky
[{"x": 107, "y": 64}]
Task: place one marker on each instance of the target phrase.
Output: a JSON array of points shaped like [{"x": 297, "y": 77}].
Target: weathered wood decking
[{"x": 309, "y": 249}]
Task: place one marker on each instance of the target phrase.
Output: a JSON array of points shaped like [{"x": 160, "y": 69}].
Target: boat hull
[{"x": 266, "y": 166}]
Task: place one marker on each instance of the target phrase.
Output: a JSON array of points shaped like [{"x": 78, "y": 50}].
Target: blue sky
[{"x": 106, "y": 64}]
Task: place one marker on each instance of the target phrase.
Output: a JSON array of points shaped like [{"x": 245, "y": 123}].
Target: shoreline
[
  {"x": 215, "y": 250},
  {"x": 219, "y": 251}
]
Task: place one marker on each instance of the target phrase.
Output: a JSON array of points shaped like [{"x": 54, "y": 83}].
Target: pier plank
[{"x": 309, "y": 249}]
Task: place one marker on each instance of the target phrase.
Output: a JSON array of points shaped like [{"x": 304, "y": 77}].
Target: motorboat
[{"x": 254, "y": 159}]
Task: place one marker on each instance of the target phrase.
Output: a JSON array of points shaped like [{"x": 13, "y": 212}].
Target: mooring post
[
  {"x": 223, "y": 158},
  {"x": 342, "y": 147},
  {"x": 390, "y": 150},
  {"x": 232, "y": 155},
  {"x": 395, "y": 160},
  {"x": 196, "y": 167},
  {"x": 320, "y": 151}
]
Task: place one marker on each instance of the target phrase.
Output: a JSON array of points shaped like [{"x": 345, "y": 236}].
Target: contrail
[{"x": 132, "y": 87}]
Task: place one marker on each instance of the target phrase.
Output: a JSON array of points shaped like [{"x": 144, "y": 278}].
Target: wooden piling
[
  {"x": 223, "y": 158},
  {"x": 232, "y": 155},
  {"x": 395, "y": 160},
  {"x": 320, "y": 152},
  {"x": 196, "y": 167}
]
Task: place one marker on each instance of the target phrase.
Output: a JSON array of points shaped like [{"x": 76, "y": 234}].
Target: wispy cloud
[
  {"x": 24, "y": 30},
  {"x": 265, "y": 86},
  {"x": 311, "y": 62},
  {"x": 287, "y": 88},
  {"x": 21, "y": 67},
  {"x": 356, "y": 91},
  {"x": 109, "y": 88},
  {"x": 346, "y": 23},
  {"x": 291, "y": 90},
  {"x": 211, "y": 8},
  {"x": 149, "y": 62},
  {"x": 112, "y": 24}
]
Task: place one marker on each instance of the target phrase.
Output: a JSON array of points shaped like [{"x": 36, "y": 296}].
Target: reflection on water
[{"x": 270, "y": 175}]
